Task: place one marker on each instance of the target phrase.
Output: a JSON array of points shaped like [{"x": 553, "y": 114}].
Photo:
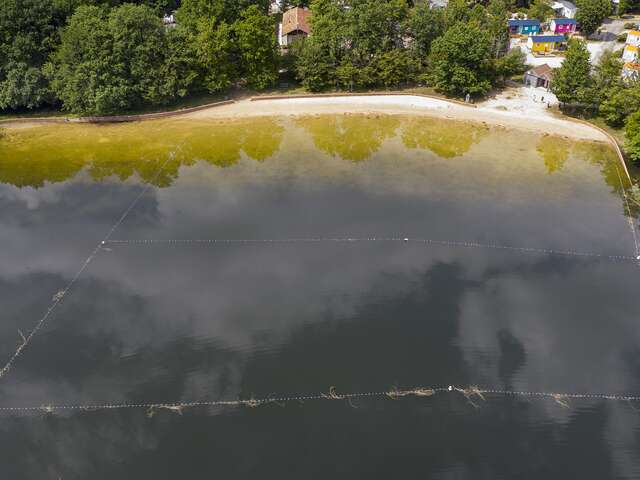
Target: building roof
[
  {"x": 631, "y": 48},
  {"x": 524, "y": 23},
  {"x": 565, "y": 21},
  {"x": 563, "y": 4},
  {"x": 631, "y": 66},
  {"x": 295, "y": 19},
  {"x": 541, "y": 71},
  {"x": 547, "y": 38},
  {"x": 635, "y": 33}
]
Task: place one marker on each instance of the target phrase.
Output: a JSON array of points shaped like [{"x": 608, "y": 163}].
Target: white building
[
  {"x": 633, "y": 38},
  {"x": 564, "y": 8},
  {"x": 169, "y": 20},
  {"x": 630, "y": 52}
]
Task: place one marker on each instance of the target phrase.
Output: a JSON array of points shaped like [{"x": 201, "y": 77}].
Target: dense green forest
[{"x": 108, "y": 56}]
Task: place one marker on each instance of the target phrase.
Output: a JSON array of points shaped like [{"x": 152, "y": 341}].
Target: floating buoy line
[
  {"x": 474, "y": 395},
  {"x": 61, "y": 294},
  {"x": 425, "y": 241}
]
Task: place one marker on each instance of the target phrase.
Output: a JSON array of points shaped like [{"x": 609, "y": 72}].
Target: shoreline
[
  {"x": 376, "y": 103},
  {"x": 392, "y": 103},
  {"x": 408, "y": 104}
]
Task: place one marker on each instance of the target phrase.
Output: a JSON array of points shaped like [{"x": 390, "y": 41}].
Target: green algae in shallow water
[
  {"x": 554, "y": 151},
  {"x": 54, "y": 153},
  {"x": 351, "y": 137},
  {"x": 445, "y": 138}
]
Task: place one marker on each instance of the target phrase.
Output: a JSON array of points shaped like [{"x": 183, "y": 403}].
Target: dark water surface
[{"x": 180, "y": 322}]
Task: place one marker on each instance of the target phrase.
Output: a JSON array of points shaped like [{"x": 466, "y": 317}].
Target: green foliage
[
  {"x": 287, "y": 4},
  {"x": 455, "y": 12},
  {"x": 393, "y": 68},
  {"x": 460, "y": 61},
  {"x": 27, "y": 35},
  {"x": 258, "y": 48},
  {"x": 356, "y": 47},
  {"x": 316, "y": 67},
  {"x": 497, "y": 13},
  {"x": 513, "y": 63},
  {"x": 572, "y": 80},
  {"x": 591, "y": 13},
  {"x": 191, "y": 12},
  {"x": 424, "y": 24},
  {"x": 619, "y": 103},
  {"x": 216, "y": 54},
  {"x": 606, "y": 74},
  {"x": 109, "y": 61},
  {"x": 541, "y": 10},
  {"x": 632, "y": 132}
]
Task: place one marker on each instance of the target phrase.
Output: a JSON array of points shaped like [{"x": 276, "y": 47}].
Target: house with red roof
[{"x": 295, "y": 25}]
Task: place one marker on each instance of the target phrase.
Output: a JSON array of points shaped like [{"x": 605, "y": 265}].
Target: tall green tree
[
  {"x": 497, "y": 14},
  {"x": 320, "y": 55},
  {"x": 572, "y": 81},
  {"x": 217, "y": 54},
  {"x": 424, "y": 24},
  {"x": 375, "y": 26},
  {"x": 27, "y": 36},
  {"x": 460, "y": 61},
  {"x": 591, "y": 13},
  {"x": 109, "y": 60},
  {"x": 258, "y": 48}
]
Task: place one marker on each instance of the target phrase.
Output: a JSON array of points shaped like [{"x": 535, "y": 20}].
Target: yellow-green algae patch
[
  {"x": 54, "y": 153},
  {"x": 451, "y": 150}
]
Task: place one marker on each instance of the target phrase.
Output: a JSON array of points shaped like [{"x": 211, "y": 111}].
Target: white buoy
[{"x": 406, "y": 239}]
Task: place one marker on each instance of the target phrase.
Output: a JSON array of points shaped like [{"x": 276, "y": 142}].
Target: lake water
[{"x": 184, "y": 319}]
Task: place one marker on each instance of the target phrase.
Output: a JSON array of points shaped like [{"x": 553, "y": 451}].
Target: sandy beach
[
  {"x": 510, "y": 111},
  {"x": 539, "y": 121}
]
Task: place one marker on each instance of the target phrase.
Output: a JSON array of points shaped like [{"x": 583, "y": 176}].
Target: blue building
[{"x": 524, "y": 27}]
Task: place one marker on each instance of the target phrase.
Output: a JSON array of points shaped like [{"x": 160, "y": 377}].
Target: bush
[
  {"x": 622, "y": 38},
  {"x": 629, "y": 26},
  {"x": 632, "y": 132}
]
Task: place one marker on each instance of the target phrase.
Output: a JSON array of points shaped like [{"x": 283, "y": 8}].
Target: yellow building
[{"x": 542, "y": 44}]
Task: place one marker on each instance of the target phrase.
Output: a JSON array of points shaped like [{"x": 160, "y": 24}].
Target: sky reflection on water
[{"x": 184, "y": 322}]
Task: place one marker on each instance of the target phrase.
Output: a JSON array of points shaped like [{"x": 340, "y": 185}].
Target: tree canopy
[
  {"x": 460, "y": 61},
  {"x": 27, "y": 37},
  {"x": 591, "y": 13},
  {"x": 572, "y": 80},
  {"x": 108, "y": 59}
]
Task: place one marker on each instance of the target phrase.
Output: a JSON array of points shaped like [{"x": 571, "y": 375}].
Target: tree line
[
  {"x": 600, "y": 89},
  {"x": 107, "y": 56},
  {"x": 459, "y": 50},
  {"x": 104, "y": 57}
]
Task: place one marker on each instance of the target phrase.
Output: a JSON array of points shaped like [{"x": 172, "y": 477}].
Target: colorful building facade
[
  {"x": 524, "y": 27},
  {"x": 563, "y": 26},
  {"x": 542, "y": 44}
]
